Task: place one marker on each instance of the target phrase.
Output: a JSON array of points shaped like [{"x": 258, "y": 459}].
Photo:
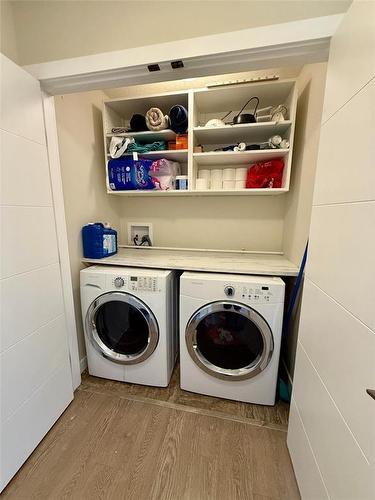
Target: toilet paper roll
[
  {"x": 241, "y": 173},
  {"x": 201, "y": 184},
  {"x": 229, "y": 185},
  {"x": 204, "y": 174},
  {"x": 216, "y": 185},
  {"x": 216, "y": 173},
  {"x": 229, "y": 174},
  {"x": 240, "y": 184}
]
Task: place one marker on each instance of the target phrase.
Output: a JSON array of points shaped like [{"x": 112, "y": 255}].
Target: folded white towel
[
  {"x": 155, "y": 120},
  {"x": 119, "y": 145}
]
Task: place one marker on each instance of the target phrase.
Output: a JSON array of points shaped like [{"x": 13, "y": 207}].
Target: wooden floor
[{"x": 122, "y": 441}]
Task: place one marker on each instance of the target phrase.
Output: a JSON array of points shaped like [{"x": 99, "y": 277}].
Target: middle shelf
[
  {"x": 213, "y": 158},
  {"x": 179, "y": 155}
]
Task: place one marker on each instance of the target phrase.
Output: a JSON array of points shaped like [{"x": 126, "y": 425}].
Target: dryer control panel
[
  {"x": 256, "y": 295},
  {"x": 135, "y": 283}
]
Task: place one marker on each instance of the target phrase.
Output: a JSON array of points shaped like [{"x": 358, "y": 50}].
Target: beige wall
[
  {"x": 8, "y": 41},
  {"x": 80, "y": 134},
  {"x": 298, "y": 201},
  {"x": 225, "y": 222},
  {"x": 48, "y": 30},
  {"x": 311, "y": 84}
]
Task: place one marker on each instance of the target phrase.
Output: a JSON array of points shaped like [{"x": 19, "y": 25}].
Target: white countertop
[{"x": 209, "y": 261}]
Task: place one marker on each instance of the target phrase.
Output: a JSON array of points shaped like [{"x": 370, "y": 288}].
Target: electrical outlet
[{"x": 136, "y": 230}]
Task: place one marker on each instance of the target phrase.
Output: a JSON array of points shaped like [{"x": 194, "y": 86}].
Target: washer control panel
[
  {"x": 143, "y": 283},
  {"x": 135, "y": 283}
]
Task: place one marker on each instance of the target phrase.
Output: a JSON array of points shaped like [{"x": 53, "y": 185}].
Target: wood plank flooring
[
  {"x": 118, "y": 441},
  {"x": 172, "y": 396}
]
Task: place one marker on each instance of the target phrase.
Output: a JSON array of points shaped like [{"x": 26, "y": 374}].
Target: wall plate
[{"x": 140, "y": 229}]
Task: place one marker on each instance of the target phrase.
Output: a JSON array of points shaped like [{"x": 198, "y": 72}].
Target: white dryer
[
  {"x": 230, "y": 335},
  {"x": 129, "y": 318}
]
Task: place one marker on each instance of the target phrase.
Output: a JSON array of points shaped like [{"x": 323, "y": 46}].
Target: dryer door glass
[
  {"x": 122, "y": 328},
  {"x": 229, "y": 340}
]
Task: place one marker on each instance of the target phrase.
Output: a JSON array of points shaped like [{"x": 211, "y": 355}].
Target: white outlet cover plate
[{"x": 140, "y": 228}]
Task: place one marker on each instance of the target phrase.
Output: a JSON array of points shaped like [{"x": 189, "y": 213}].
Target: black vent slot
[
  {"x": 153, "y": 67},
  {"x": 177, "y": 64}
]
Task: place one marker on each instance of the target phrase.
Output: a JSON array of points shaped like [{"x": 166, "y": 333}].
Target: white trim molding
[
  {"x": 62, "y": 237},
  {"x": 293, "y": 43}
]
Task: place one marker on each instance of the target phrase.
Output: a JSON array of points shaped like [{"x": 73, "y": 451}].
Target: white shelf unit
[{"x": 204, "y": 104}]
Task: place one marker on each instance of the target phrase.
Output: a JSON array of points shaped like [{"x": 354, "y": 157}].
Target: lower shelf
[{"x": 209, "y": 192}]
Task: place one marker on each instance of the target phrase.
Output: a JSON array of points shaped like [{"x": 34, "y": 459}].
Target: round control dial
[
  {"x": 229, "y": 291},
  {"x": 119, "y": 282}
]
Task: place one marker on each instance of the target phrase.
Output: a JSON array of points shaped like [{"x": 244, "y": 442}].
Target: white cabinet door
[
  {"x": 35, "y": 372},
  {"x": 331, "y": 434}
]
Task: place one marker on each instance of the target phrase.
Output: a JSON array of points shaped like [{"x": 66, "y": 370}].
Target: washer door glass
[
  {"x": 122, "y": 328},
  {"x": 229, "y": 340}
]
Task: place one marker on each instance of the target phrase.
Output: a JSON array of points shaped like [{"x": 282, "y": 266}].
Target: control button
[
  {"x": 119, "y": 282},
  {"x": 229, "y": 291}
]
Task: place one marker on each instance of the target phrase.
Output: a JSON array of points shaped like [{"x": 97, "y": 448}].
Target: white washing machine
[
  {"x": 129, "y": 318},
  {"x": 230, "y": 335}
]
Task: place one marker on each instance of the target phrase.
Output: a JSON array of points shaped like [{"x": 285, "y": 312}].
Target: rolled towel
[
  {"x": 155, "y": 119},
  {"x": 178, "y": 117}
]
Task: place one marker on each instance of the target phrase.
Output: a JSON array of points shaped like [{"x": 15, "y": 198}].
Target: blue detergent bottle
[{"x": 99, "y": 240}]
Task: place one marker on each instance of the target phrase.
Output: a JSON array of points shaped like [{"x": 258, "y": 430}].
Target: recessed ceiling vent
[
  {"x": 177, "y": 64},
  {"x": 153, "y": 67}
]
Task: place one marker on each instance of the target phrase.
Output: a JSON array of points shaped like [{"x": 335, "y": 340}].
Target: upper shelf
[
  {"x": 148, "y": 135},
  {"x": 238, "y": 157},
  {"x": 237, "y": 133}
]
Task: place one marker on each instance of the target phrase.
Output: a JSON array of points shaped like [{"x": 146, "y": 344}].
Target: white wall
[
  {"x": 80, "y": 134},
  {"x": 331, "y": 434},
  {"x": 35, "y": 373},
  {"x": 49, "y": 30}
]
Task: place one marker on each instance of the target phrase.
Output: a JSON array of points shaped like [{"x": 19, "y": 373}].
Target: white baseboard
[{"x": 83, "y": 363}]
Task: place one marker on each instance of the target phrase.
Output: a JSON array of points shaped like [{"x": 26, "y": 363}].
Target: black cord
[
  {"x": 256, "y": 107},
  {"x": 145, "y": 241}
]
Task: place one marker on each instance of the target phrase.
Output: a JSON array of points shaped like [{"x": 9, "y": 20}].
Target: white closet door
[
  {"x": 35, "y": 376},
  {"x": 331, "y": 434}
]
